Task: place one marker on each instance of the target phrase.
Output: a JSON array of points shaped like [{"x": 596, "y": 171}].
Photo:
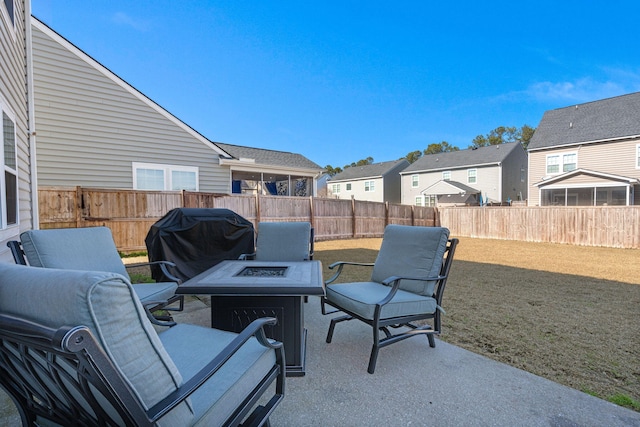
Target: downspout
[{"x": 35, "y": 212}]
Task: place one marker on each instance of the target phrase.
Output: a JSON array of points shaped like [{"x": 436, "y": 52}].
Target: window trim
[
  {"x": 4, "y": 220},
  {"x": 335, "y": 188},
  {"x": 475, "y": 176},
  {"x": 369, "y": 186},
  {"x": 637, "y": 156},
  {"x": 561, "y": 162},
  {"x": 9, "y": 16},
  {"x": 446, "y": 175},
  {"x": 167, "y": 170},
  {"x": 347, "y": 186},
  {"x": 415, "y": 180}
]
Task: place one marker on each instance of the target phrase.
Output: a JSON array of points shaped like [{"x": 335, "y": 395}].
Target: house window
[
  {"x": 9, "y": 179},
  {"x": 472, "y": 176},
  {"x": 9, "y": 11},
  {"x": 446, "y": 175},
  {"x": 369, "y": 186},
  {"x": 335, "y": 188},
  {"x": 569, "y": 162},
  {"x": 638, "y": 156},
  {"x": 348, "y": 185},
  {"x": 553, "y": 164},
  {"x": 419, "y": 200},
  {"x": 430, "y": 200},
  {"x": 157, "y": 177},
  {"x": 414, "y": 181},
  {"x": 523, "y": 175}
]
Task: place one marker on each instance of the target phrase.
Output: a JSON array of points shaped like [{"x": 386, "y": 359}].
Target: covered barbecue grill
[{"x": 196, "y": 239}]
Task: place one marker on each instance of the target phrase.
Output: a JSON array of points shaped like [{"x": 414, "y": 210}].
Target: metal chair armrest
[
  {"x": 340, "y": 265},
  {"x": 255, "y": 328},
  {"x": 164, "y": 266}
]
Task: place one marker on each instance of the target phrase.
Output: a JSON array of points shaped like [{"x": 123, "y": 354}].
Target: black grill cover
[{"x": 196, "y": 239}]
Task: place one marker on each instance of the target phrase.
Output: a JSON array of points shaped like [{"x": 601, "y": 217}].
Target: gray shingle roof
[
  {"x": 609, "y": 118},
  {"x": 368, "y": 171},
  {"x": 463, "y": 158},
  {"x": 269, "y": 157}
]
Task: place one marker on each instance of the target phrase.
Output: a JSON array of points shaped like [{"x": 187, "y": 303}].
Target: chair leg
[
  {"x": 332, "y": 326},
  {"x": 373, "y": 359},
  {"x": 432, "y": 341}
]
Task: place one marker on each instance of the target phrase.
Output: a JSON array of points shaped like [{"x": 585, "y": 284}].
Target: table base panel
[{"x": 234, "y": 313}]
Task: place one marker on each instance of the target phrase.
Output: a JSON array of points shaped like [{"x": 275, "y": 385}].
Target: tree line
[{"x": 499, "y": 135}]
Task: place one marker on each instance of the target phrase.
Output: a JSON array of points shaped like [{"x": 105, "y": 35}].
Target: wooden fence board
[{"x": 130, "y": 214}]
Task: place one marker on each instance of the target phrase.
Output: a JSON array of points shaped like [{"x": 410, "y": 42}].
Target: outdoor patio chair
[
  {"x": 407, "y": 283},
  {"x": 66, "y": 359},
  {"x": 93, "y": 249},
  {"x": 283, "y": 241}
]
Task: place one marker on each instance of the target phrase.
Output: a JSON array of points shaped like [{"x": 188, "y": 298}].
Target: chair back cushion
[
  {"x": 105, "y": 303},
  {"x": 89, "y": 249},
  {"x": 411, "y": 251},
  {"x": 283, "y": 241}
]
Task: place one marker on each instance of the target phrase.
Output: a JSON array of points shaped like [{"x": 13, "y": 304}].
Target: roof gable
[
  {"x": 492, "y": 154},
  {"x": 376, "y": 170},
  {"x": 90, "y": 61},
  {"x": 579, "y": 172},
  {"x": 611, "y": 118},
  {"x": 449, "y": 187}
]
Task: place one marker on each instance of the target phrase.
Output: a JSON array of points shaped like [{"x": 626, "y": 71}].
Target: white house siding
[
  {"x": 14, "y": 97},
  {"x": 616, "y": 158},
  {"x": 357, "y": 189},
  {"x": 92, "y": 126},
  {"x": 487, "y": 181}
]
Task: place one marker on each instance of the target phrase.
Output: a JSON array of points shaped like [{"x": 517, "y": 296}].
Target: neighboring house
[
  {"x": 379, "y": 182},
  {"x": 96, "y": 130},
  {"x": 18, "y": 193},
  {"x": 270, "y": 172},
  {"x": 587, "y": 154},
  {"x": 492, "y": 174}
]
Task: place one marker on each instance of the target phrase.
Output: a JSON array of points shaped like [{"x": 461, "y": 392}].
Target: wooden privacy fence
[
  {"x": 610, "y": 226},
  {"x": 131, "y": 213}
]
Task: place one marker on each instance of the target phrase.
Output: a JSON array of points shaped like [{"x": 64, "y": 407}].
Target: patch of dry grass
[{"x": 567, "y": 313}]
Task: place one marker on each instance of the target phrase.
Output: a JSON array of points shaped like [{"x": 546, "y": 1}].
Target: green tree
[
  {"x": 362, "y": 162},
  {"x": 413, "y": 156},
  {"x": 442, "y": 147},
  {"x": 332, "y": 171},
  {"x": 504, "y": 134}
]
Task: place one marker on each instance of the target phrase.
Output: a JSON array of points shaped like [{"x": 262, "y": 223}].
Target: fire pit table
[{"x": 244, "y": 290}]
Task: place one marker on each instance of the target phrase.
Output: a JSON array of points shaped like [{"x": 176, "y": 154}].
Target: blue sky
[{"x": 339, "y": 81}]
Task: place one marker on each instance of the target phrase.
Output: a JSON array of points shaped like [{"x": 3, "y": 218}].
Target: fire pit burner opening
[{"x": 262, "y": 272}]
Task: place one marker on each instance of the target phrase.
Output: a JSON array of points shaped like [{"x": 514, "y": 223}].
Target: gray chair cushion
[
  {"x": 283, "y": 241},
  {"x": 360, "y": 298},
  {"x": 217, "y": 399},
  {"x": 105, "y": 303},
  {"x": 89, "y": 249},
  {"x": 412, "y": 252}
]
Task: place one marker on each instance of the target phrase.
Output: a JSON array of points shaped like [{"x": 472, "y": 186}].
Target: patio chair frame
[
  {"x": 383, "y": 325},
  {"x": 44, "y": 369}
]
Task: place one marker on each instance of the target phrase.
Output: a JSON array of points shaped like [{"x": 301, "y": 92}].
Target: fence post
[
  {"x": 257, "y": 208},
  {"x": 78, "y": 202},
  {"x": 353, "y": 217},
  {"x": 311, "y": 213},
  {"x": 386, "y": 213}
]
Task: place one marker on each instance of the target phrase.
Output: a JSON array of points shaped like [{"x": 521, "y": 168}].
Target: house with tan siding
[
  {"x": 587, "y": 154},
  {"x": 96, "y": 130},
  {"x": 18, "y": 190},
  {"x": 492, "y": 174},
  {"x": 378, "y": 182}
]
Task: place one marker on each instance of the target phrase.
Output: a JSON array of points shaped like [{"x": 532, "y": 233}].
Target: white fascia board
[
  {"x": 244, "y": 165},
  {"x": 451, "y": 168},
  {"x": 575, "y": 144}
]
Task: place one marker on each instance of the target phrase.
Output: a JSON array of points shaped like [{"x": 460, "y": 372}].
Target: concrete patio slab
[{"x": 414, "y": 385}]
